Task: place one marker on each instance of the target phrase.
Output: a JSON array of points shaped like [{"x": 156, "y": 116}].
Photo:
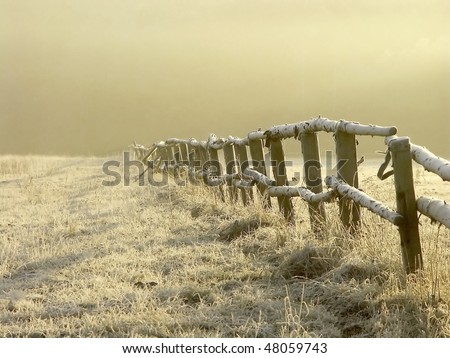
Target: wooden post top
[{"x": 400, "y": 144}]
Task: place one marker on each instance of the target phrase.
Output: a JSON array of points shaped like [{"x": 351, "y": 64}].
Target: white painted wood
[
  {"x": 364, "y": 200},
  {"x": 435, "y": 209}
]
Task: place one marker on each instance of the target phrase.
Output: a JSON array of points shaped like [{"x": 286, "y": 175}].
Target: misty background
[{"x": 87, "y": 77}]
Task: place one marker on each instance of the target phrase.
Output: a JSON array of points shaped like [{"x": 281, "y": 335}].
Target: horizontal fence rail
[
  {"x": 364, "y": 200},
  {"x": 428, "y": 160},
  {"x": 435, "y": 209},
  {"x": 199, "y": 160},
  {"x": 304, "y": 193},
  {"x": 326, "y": 125}
]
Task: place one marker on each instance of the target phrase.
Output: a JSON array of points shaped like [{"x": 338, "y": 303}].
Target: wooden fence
[{"x": 200, "y": 159}]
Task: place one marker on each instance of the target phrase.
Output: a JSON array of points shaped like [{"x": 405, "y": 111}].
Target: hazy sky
[{"x": 91, "y": 76}]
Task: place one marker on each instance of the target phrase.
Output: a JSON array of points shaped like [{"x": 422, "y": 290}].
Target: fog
[{"x": 88, "y": 77}]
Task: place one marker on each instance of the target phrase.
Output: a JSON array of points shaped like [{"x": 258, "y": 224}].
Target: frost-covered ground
[{"x": 78, "y": 259}]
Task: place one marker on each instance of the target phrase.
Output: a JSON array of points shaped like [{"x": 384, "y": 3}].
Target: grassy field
[{"x": 79, "y": 259}]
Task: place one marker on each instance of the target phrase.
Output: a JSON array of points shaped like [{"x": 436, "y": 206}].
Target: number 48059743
[{"x": 296, "y": 348}]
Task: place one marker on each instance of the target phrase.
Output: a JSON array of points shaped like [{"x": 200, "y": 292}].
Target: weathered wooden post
[
  {"x": 313, "y": 179},
  {"x": 149, "y": 155},
  {"x": 183, "y": 153},
  {"x": 170, "y": 160},
  {"x": 214, "y": 159},
  {"x": 406, "y": 204},
  {"x": 202, "y": 155},
  {"x": 241, "y": 153},
  {"x": 347, "y": 170},
  {"x": 203, "y": 162},
  {"x": 279, "y": 173},
  {"x": 156, "y": 158},
  {"x": 257, "y": 154},
  {"x": 230, "y": 165},
  {"x": 199, "y": 159},
  {"x": 177, "y": 160},
  {"x": 152, "y": 156},
  {"x": 191, "y": 163},
  {"x": 164, "y": 157},
  {"x": 182, "y": 163},
  {"x": 176, "y": 154}
]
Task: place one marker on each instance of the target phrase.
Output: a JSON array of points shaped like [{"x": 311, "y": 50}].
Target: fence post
[
  {"x": 191, "y": 163},
  {"x": 199, "y": 159},
  {"x": 313, "y": 179},
  {"x": 347, "y": 170},
  {"x": 279, "y": 173},
  {"x": 214, "y": 158},
  {"x": 202, "y": 155},
  {"x": 164, "y": 159},
  {"x": 183, "y": 154},
  {"x": 177, "y": 158},
  {"x": 242, "y": 157},
  {"x": 183, "y": 161},
  {"x": 406, "y": 204},
  {"x": 257, "y": 153},
  {"x": 152, "y": 157},
  {"x": 230, "y": 165},
  {"x": 170, "y": 160}
]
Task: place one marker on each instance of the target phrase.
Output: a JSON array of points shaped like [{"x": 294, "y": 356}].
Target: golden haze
[{"x": 84, "y": 77}]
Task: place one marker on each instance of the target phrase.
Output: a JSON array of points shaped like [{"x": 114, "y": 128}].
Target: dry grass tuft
[
  {"x": 308, "y": 263},
  {"x": 239, "y": 228}
]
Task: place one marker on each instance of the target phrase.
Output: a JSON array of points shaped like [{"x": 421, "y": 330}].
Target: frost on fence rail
[
  {"x": 161, "y": 144},
  {"x": 437, "y": 210},
  {"x": 191, "y": 141},
  {"x": 218, "y": 143},
  {"x": 258, "y": 177},
  {"x": 215, "y": 142},
  {"x": 428, "y": 160},
  {"x": 431, "y": 162},
  {"x": 288, "y": 191},
  {"x": 326, "y": 125},
  {"x": 287, "y": 131},
  {"x": 237, "y": 141},
  {"x": 364, "y": 200},
  {"x": 304, "y": 193},
  {"x": 235, "y": 178}
]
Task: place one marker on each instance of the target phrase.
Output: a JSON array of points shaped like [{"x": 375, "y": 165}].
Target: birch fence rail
[{"x": 200, "y": 160}]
